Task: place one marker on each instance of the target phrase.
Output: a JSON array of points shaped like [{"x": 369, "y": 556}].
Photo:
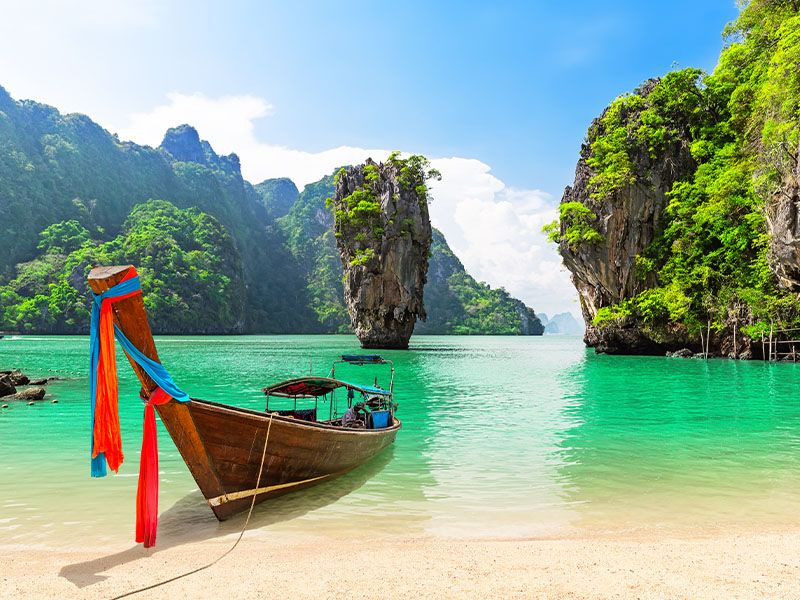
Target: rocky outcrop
[
  {"x": 682, "y": 353},
  {"x": 44, "y": 380},
  {"x": 383, "y": 234},
  {"x": 628, "y": 219},
  {"x": 783, "y": 223},
  {"x": 529, "y": 323},
  {"x": 7, "y": 387},
  {"x": 32, "y": 393},
  {"x": 16, "y": 377},
  {"x": 183, "y": 144}
]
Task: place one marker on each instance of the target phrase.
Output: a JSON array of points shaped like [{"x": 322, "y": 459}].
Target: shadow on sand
[{"x": 190, "y": 520}]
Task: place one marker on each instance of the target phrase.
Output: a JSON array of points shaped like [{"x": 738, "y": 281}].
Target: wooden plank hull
[
  {"x": 223, "y": 445},
  {"x": 223, "y": 448}
]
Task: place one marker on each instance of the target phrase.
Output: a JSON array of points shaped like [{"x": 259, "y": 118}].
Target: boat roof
[
  {"x": 363, "y": 359},
  {"x": 311, "y": 387}
]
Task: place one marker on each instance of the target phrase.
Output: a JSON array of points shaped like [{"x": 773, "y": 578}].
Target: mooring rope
[{"x": 229, "y": 550}]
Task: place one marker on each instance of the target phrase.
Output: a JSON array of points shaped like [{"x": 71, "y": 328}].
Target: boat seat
[{"x": 304, "y": 414}]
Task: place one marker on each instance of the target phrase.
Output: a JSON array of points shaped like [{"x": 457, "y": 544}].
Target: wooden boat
[{"x": 222, "y": 445}]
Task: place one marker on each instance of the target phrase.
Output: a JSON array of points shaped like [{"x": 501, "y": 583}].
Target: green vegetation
[
  {"x": 191, "y": 274},
  {"x": 742, "y": 122},
  {"x": 414, "y": 174},
  {"x": 308, "y": 229},
  {"x": 578, "y": 220},
  {"x": 359, "y": 214},
  {"x": 216, "y": 254},
  {"x": 65, "y": 169},
  {"x": 635, "y": 126}
]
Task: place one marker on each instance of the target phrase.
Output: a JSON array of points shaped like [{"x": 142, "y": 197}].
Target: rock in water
[
  {"x": 6, "y": 386},
  {"x": 16, "y": 377},
  {"x": 34, "y": 393},
  {"x": 383, "y": 233}
]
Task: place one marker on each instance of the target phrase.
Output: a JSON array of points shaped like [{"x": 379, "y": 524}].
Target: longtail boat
[{"x": 222, "y": 444}]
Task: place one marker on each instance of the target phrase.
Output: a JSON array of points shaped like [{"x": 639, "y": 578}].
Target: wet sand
[{"x": 751, "y": 565}]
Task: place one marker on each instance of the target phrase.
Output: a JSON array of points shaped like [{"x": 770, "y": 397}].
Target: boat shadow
[{"x": 190, "y": 520}]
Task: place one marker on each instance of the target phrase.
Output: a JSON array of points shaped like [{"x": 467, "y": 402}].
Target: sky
[{"x": 498, "y": 94}]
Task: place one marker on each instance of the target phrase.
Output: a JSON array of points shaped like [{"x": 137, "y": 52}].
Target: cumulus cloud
[
  {"x": 228, "y": 124},
  {"x": 495, "y": 230}
]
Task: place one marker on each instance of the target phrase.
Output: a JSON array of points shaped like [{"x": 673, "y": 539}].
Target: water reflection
[
  {"x": 495, "y": 409},
  {"x": 656, "y": 442}
]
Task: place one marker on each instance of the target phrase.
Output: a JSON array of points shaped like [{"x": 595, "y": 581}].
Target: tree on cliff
[
  {"x": 686, "y": 196},
  {"x": 383, "y": 232}
]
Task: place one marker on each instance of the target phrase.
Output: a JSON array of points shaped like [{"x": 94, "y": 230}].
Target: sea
[{"x": 502, "y": 437}]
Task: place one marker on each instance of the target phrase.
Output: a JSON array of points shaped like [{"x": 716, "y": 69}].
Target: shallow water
[{"x": 502, "y": 436}]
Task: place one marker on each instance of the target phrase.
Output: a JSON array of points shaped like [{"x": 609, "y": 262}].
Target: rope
[{"x": 229, "y": 550}]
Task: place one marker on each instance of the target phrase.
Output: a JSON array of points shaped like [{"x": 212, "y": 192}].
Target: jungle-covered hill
[
  {"x": 216, "y": 254},
  {"x": 683, "y": 217}
]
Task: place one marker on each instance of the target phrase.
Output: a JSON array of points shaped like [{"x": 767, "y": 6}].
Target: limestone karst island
[{"x": 302, "y": 300}]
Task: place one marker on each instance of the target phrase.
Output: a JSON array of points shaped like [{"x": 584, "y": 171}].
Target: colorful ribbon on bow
[{"x": 106, "y": 436}]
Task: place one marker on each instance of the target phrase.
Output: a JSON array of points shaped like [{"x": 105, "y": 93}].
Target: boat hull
[{"x": 223, "y": 448}]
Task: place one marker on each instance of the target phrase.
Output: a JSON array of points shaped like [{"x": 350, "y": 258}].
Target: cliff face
[
  {"x": 783, "y": 221},
  {"x": 628, "y": 220},
  {"x": 383, "y": 233}
]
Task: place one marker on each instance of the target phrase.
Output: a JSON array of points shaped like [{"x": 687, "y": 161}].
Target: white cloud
[
  {"x": 227, "y": 122},
  {"x": 46, "y": 15},
  {"x": 495, "y": 230}
]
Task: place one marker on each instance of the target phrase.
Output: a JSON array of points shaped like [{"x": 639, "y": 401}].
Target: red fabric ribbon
[
  {"x": 147, "y": 490},
  {"x": 107, "y": 436}
]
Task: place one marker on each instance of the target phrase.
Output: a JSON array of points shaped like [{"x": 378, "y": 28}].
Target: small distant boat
[{"x": 222, "y": 444}]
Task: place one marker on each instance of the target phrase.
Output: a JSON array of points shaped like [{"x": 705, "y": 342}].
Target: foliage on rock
[
  {"x": 383, "y": 234},
  {"x": 713, "y": 257}
]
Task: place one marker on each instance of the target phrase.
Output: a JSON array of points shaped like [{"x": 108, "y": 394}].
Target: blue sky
[{"x": 504, "y": 90}]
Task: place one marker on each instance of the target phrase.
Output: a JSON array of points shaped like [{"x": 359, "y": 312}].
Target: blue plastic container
[{"x": 380, "y": 419}]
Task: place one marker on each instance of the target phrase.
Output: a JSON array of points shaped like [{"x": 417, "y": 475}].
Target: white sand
[{"x": 752, "y": 565}]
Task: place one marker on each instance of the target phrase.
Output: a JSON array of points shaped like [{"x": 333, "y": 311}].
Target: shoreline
[{"x": 587, "y": 566}]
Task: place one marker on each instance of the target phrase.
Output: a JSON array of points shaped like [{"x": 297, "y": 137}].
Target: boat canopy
[
  {"x": 363, "y": 359},
  {"x": 311, "y": 387}
]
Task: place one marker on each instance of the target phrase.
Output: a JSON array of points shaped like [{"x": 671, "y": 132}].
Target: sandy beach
[{"x": 736, "y": 566}]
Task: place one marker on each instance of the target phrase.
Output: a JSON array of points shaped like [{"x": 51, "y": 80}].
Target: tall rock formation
[
  {"x": 383, "y": 233},
  {"x": 627, "y": 220}
]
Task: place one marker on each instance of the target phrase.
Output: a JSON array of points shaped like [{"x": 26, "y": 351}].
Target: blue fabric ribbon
[{"x": 154, "y": 369}]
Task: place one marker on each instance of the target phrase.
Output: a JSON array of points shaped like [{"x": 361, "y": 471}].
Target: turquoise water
[{"x": 502, "y": 437}]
